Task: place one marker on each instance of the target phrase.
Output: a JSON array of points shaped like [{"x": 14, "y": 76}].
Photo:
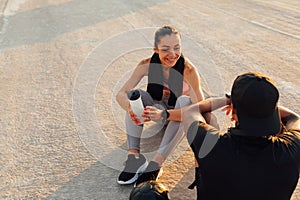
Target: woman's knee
[{"x": 183, "y": 101}]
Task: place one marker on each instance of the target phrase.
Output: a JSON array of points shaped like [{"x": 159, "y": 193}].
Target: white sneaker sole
[{"x": 141, "y": 169}]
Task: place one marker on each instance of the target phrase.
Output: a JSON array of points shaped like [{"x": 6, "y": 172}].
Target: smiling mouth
[{"x": 171, "y": 60}]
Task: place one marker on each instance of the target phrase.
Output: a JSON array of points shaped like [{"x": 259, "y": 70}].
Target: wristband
[{"x": 165, "y": 115}]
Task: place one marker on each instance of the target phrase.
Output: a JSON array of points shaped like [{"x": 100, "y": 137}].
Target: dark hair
[
  {"x": 161, "y": 32},
  {"x": 149, "y": 190}
]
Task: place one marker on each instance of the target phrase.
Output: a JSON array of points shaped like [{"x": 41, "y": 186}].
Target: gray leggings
[{"x": 173, "y": 134}]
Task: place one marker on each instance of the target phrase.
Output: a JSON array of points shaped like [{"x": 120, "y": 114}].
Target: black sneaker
[
  {"x": 133, "y": 166},
  {"x": 152, "y": 172}
]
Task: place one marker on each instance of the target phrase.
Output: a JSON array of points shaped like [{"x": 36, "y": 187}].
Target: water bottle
[{"x": 136, "y": 104}]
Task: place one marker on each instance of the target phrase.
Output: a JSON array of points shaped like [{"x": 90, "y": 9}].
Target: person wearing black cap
[
  {"x": 149, "y": 190},
  {"x": 257, "y": 159}
]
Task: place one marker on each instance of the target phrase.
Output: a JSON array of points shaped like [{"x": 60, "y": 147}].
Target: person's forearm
[
  {"x": 207, "y": 105},
  {"x": 212, "y": 104},
  {"x": 289, "y": 118}
]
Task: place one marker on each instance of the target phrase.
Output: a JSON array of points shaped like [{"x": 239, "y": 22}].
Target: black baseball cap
[{"x": 255, "y": 98}]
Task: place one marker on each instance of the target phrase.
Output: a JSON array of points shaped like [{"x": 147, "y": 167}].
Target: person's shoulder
[
  {"x": 189, "y": 69},
  {"x": 144, "y": 62},
  {"x": 202, "y": 134},
  {"x": 196, "y": 129},
  {"x": 188, "y": 65},
  {"x": 143, "y": 66},
  {"x": 288, "y": 145},
  {"x": 289, "y": 139},
  {"x": 296, "y": 131},
  {"x": 293, "y": 134}
]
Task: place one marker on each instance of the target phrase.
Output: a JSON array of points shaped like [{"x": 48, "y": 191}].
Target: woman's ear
[{"x": 155, "y": 50}]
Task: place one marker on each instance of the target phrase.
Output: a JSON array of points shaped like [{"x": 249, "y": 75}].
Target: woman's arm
[
  {"x": 139, "y": 72},
  {"x": 191, "y": 76}
]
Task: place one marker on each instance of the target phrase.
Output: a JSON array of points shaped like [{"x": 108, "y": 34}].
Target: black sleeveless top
[{"x": 155, "y": 79}]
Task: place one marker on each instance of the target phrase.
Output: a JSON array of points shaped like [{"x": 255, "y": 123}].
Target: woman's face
[{"x": 169, "y": 49}]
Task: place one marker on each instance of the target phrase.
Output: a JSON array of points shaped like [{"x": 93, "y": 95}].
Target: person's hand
[
  {"x": 227, "y": 109},
  {"x": 133, "y": 116},
  {"x": 152, "y": 113}
]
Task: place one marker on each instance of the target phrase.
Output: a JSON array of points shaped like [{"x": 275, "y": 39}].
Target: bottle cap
[{"x": 133, "y": 94}]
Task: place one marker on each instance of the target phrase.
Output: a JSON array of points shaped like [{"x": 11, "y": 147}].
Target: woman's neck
[{"x": 166, "y": 73}]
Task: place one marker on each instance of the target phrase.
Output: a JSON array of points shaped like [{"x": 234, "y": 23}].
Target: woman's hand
[{"x": 152, "y": 113}]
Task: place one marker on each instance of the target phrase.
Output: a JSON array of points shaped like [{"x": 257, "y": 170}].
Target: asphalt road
[{"x": 62, "y": 61}]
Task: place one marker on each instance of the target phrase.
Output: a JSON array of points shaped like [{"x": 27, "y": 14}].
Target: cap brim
[{"x": 259, "y": 126}]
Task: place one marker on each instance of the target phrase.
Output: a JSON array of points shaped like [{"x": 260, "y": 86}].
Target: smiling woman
[{"x": 173, "y": 82}]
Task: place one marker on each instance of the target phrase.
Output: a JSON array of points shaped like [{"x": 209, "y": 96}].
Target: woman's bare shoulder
[
  {"x": 145, "y": 62},
  {"x": 143, "y": 66},
  {"x": 188, "y": 66}
]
